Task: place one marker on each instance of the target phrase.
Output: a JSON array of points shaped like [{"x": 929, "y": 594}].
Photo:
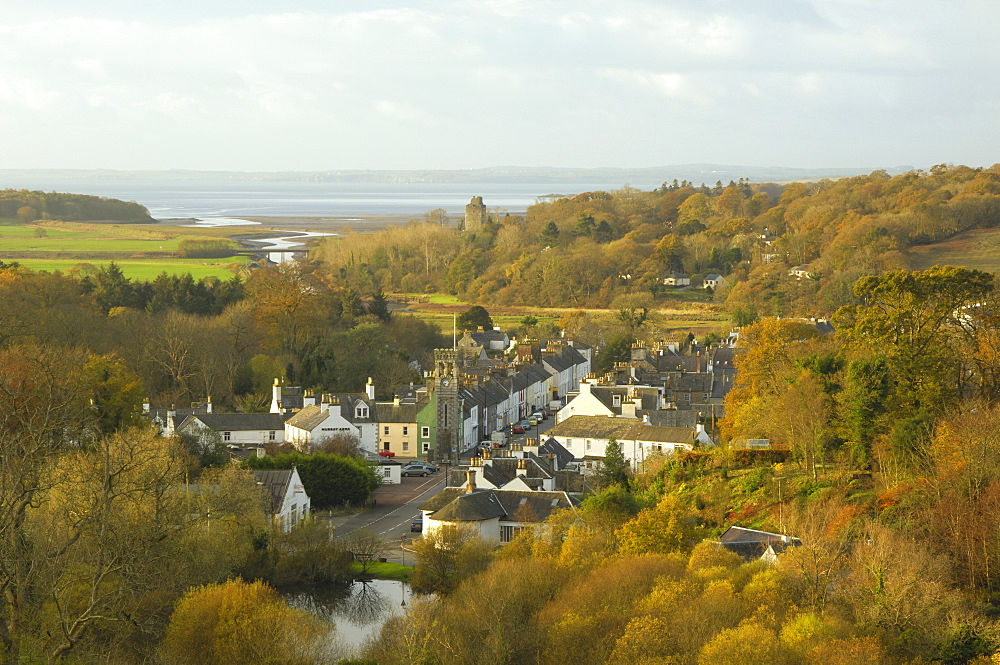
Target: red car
[
  {"x": 517, "y": 429},
  {"x": 386, "y": 453}
]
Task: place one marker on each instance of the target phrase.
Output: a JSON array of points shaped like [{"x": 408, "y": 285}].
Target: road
[
  {"x": 397, "y": 505},
  {"x": 394, "y": 510}
]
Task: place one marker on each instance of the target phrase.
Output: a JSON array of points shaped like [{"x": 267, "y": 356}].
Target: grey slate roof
[
  {"x": 673, "y": 418},
  {"x": 562, "y": 456},
  {"x": 276, "y": 482},
  {"x": 752, "y": 544},
  {"x": 623, "y": 429},
  {"x": 454, "y": 505}
]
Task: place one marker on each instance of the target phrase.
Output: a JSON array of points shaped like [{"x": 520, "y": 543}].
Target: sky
[{"x": 325, "y": 85}]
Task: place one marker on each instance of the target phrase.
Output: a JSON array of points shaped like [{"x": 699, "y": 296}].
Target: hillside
[
  {"x": 592, "y": 249},
  {"x": 978, "y": 249}
]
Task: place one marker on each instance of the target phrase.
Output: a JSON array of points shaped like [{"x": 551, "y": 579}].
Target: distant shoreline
[{"x": 335, "y": 224}]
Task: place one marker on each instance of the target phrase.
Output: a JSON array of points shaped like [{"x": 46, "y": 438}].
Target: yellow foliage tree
[
  {"x": 667, "y": 528},
  {"x": 240, "y": 623}
]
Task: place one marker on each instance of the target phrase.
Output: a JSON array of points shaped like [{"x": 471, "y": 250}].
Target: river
[{"x": 356, "y": 611}]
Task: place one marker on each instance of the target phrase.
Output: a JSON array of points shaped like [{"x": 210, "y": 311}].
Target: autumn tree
[
  {"x": 239, "y": 622},
  {"x": 448, "y": 555},
  {"x": 668, "y": 527},
  {"x": 910, "y": 318}
]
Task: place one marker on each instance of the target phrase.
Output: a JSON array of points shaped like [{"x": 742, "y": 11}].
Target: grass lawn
[
  {"x": 385, "y": 571},
  {"x": 146, "y": 270}
]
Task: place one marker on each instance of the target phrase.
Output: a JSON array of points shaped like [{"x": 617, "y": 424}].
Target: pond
[{"x": 356, "y": 611}]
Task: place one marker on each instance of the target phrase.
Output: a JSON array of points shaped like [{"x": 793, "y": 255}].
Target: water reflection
[{"x": 356, "y": 611}]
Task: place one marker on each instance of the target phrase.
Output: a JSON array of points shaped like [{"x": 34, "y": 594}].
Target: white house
[
  {"x": 677, "y": 279},
  {"x": 389, "y": 470},
  {"x": 713, "y": 280},
  {"x": 242, "y": 429},
  {"x": 494, "y": 514},
  {"x": 314, "y": 423},
  {"x": 587, "y": 437},
  {"x": 623, "y": 401},
  {"x": 289, "y": 503}
]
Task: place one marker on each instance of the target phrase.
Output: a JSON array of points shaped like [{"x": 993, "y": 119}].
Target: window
[
  {"x": 385, "y": 472},
  {"x": 386, "y": 446},
  {"x": 616, "y": 400},
  {"x": 406, "y": 430},
  {"x": 226, "y": 436},
  {"x": 406, "y": 447},
  {"x": 361, "y": 411},
  {"x": 507, "y": 533},
  {"x": 385, "y": 430},
  {"x": 687, "y": 397},
  {"x": 425, "y": 432},
  {"x": 427, "y": 447},
  {"x": 588, "y": 444},
  {"x": 270, "y": 435}
]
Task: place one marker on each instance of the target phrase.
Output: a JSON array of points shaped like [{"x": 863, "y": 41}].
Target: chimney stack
[
  {"x": 208, "y": 405},
  {"x": 470, "y": 481},
  {"x": 370, "y": 388}
]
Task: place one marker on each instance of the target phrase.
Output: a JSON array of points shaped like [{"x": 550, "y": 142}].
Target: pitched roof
[
  {"x": 623, "y": 429},
  {"x": 238, "y": 422},
  {"x": 310, "y": 417},
  {"x": 562, "y": 456},
  {"x": 673, "y": 418},
  {"x": 275, "y": 481},
  {"x": 453, "y": 504},
  {"x": 752, "y": 544},
  {"x": 404, "y": 412}
]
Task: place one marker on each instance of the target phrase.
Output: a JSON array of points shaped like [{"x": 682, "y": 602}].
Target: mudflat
[{"x": 335, "y": 223}]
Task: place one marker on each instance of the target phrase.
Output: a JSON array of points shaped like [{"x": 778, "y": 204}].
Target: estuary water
[{"x": 335, "y": 200}]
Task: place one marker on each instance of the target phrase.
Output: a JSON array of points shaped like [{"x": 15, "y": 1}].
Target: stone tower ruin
[{"x": 475, "y": 214}]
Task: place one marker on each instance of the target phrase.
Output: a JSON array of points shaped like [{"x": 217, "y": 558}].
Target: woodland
[{"x": 117, "y": 545}]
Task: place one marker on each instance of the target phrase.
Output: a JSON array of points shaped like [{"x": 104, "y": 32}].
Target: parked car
[
  {"x": 517, "y": 428},
  {"x": 539, "y": 416},
  {"x": 414, "y": 470},
  {"x": 417, "y": 524},
  {"x": 427, "y": 465},
  {"x": 386, "y": 453}
]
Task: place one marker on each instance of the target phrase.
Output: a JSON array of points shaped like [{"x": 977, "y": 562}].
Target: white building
[{"x": 289, "y": 503}]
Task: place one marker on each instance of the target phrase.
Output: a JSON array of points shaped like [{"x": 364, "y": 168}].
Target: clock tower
[{"x": 449, "y": 407}]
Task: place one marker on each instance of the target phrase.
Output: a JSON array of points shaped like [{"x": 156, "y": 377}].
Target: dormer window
[
  {"x": 616, "y": 400},
  {"x": 361, "y": 411}
]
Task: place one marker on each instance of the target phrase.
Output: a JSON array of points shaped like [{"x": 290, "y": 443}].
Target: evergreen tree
[{"x": 614, "y": 469}]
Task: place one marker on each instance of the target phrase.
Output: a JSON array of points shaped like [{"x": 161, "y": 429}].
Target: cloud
[{"x": 421, "y": 81}]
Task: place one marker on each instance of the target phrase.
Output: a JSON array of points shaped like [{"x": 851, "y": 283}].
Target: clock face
[{"x": 445, "y": 383}]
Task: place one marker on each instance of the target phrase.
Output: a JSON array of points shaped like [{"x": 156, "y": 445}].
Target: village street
[
  {"x": 394, "y": 510},
  {"x": 397, "y": 505}
]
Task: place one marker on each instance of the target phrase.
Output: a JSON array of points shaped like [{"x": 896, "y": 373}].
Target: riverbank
[{"x": 335, "y": 223}]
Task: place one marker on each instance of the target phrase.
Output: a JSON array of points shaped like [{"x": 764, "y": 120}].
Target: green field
[
  {"x": 145, "y": 270},
  {"x": 91, "y": 238},
  {"x": 142, "y": 251}
]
